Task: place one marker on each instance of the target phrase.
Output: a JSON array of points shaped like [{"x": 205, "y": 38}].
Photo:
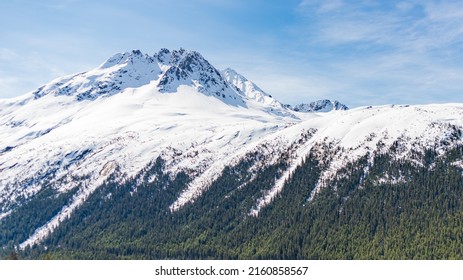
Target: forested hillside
[{"x": 361, "y": 215}]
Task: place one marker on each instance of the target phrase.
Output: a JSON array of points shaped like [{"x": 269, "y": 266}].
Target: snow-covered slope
[
  {"x": 251, "y": 91},
  {"x": 121, "y": 71},
  {"x": 74, "y": 132},
  {"x": 248, "y": 88}
]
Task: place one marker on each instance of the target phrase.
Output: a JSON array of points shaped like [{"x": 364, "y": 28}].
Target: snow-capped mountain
[
  {"x": 248, "y": 88},
  {"x": 323, "y": 105},
  {"x": 111, "y": 124},
  {"x": 167, "y": 70}
]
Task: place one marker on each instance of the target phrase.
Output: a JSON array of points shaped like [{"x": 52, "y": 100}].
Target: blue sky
[{"x": 362, "y": 52}]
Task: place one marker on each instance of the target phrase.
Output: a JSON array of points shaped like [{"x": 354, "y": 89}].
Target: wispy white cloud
[
  {"x": 7, "y": 55},
  {"x": 23, "y": 70},
  {"x": 397, "y": 50},
  {"x": 321, "y": 5},
  {"x": 422, "y": 23}
]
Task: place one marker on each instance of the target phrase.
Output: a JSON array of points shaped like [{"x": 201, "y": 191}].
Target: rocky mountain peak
[{"x": 323, "y": 105}]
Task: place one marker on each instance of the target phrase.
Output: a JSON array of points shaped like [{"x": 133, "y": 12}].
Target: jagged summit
[
  {"x": 168, "y": 58},
  {"x": 324, "y": 105},
  {"x": 182, "y": 67},
  {"x": 168, "y": 70},
  {"x": 125, "y": 58}
]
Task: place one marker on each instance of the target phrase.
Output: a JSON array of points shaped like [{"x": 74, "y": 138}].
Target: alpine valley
[{"x": 166, "y": 157}]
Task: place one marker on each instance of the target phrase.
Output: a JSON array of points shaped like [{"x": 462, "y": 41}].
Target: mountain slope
[
  {"x": 414, "y": 219},
  {"x": 175, "y": 138},
  {"x": 248, "y": 88}
]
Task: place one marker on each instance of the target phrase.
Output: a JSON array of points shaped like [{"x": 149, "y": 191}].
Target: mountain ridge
[{"x": 323, "y": 105}]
